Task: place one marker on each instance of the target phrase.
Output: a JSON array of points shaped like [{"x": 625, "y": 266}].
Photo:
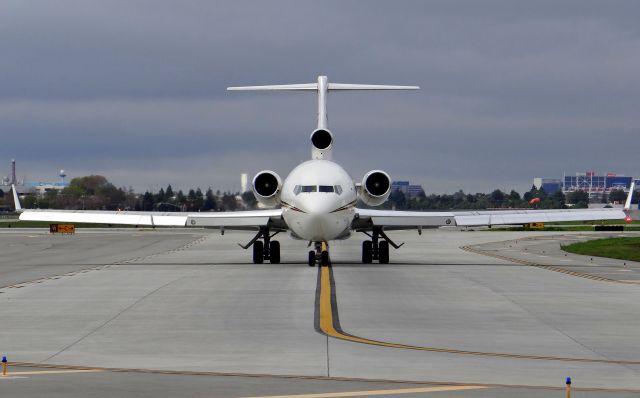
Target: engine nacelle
[
  {"x": 375, "y": 188},
  {"x": 322, "y": 142},
  {"x": 266, "y": 187}
]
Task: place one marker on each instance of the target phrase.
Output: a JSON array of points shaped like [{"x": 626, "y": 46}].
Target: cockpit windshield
[
  {"x": 317, "y": 188},
  {"x": 309, "y": 188}
]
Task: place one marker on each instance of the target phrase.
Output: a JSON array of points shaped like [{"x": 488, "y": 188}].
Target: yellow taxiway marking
[
  {"x": 377, "y": 392},
  {"x": 328, "y": 327},
  {"x": 49, "y": 372}
]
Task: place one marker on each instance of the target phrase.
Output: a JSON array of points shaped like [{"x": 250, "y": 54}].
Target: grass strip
[{"x": 619, "y": 248}]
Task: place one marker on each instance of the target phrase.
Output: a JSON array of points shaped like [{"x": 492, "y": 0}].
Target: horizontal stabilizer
[
  {"x": 277, "y": 87},
  {"x": 341, "y": 86},
  {"x": 314, "y": 87},
  {"x": 322, "y": 87}
]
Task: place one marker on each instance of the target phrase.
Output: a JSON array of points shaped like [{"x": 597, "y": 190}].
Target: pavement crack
[{"x": 108, "y": 321}]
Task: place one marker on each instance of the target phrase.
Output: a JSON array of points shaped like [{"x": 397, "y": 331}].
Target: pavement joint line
[
  {"x": 136, "y": 302},
  {"x": 376, "y": 392},
  {"x": 311, "y": 377},
  {"x": 329, "y": 325},
  {"x": 96, "y": 268}
]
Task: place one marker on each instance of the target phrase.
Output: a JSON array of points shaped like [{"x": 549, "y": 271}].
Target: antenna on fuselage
[{"x": 321, "y": 138}]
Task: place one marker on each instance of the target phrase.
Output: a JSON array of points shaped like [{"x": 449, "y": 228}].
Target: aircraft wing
[
  {"x": 240, "y": 220},
  {"x": 397, "y": 220}
]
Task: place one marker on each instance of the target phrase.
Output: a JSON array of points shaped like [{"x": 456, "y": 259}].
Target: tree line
[
  {"x": 95, "y": 192},
  {"x": 499, "y": 200}
]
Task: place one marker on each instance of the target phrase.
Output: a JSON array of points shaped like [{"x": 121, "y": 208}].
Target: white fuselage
[{"x": 318, "y": 201}]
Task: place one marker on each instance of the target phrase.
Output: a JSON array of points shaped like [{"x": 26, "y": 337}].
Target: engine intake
[
  {"x": 322, "y": 141},
  {"x": 266, "y": 187},
  {"x": 375, "y": 188}
]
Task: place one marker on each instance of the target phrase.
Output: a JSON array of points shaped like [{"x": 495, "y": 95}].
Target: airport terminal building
[
  {"x": 410, "y": 190},
  {"x": 592, "y": 183}
]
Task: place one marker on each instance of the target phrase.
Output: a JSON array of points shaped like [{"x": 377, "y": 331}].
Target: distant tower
[
  {"x": 244, "y": 178},
  {"x": 62, "y": 176},
  {"x": 13, "y": 171}
]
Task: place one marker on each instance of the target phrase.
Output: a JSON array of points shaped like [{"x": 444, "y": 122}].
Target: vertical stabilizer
[{"x": 323, "y": 120}]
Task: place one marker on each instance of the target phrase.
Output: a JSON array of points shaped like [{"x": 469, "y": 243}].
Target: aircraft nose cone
[{"x": 318, "y": 205}]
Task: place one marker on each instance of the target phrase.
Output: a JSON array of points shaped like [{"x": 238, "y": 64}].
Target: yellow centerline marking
[
  {"x": 377, "y": 392},
  {"x": 328, "y": 327},
  {"x": 44, "y": 372}
]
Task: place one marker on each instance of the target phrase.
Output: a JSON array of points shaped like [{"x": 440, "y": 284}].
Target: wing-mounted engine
[
  {"x": 375, "y": 188},
  {"x": 266, "y": 188},
  {"x": 322, "y": 143}
]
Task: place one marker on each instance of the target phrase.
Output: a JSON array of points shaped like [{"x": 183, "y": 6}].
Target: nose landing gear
[{"x": 320, "y": 255}]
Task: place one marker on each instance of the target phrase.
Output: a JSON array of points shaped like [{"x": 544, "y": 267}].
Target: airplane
[{"x": 316, "y": 202}]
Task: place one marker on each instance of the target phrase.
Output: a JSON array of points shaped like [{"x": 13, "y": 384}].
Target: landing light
[{"x": 628, "y": 219}]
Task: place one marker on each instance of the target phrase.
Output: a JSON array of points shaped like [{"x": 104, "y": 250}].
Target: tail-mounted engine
[
  {"x": 266, "y": 188},
  {"x": 322, "y": 142},
  {"x": 375, "y": 188}
]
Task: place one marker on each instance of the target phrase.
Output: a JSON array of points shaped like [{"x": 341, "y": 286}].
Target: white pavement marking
[
  {"x": 377, "y": 392},
  {"x": 49, "y": 372}
]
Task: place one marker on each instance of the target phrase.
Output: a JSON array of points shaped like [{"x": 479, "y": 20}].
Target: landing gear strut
[
  {"x": 376, "y": 249},
  {"x": 320, "y": 255},
  {"x": 265, "y": 249}
]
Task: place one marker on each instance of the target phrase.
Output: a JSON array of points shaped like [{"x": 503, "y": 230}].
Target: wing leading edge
[
  {"x": 241, "y": 220},
  {"x": 396, "y": 220}
]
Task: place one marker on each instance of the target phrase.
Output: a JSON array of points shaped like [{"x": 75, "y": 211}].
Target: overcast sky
[{"x": 135, "y": 90}]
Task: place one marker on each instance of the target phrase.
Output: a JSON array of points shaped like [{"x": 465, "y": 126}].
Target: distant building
[
  {"x": 244, "y": 182},
  {"x": 41, "y": 187},
  {"x": 24, "y": 187},
  {"x": 549, "y": 185},
  {"x": 411, "y": 191},
  {"x": 595, "y": 185}
]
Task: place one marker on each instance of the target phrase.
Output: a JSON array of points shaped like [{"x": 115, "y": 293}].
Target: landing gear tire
[
  {"x": 312, "y": 258},
  {"x": 367, "y": 252},
  {"x": 383, "y": 252},
  {"x": 274, "y": 252},
  {"x": 258, "y": 252},
  {"x": 324, "y": 258}
]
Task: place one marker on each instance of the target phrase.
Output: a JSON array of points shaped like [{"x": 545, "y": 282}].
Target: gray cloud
[{"x": 136, "y": 90}]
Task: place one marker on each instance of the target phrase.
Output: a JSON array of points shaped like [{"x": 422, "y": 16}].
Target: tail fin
[
  {"x": 16, "y": 200},
  {"x": 322, "y": 87}
]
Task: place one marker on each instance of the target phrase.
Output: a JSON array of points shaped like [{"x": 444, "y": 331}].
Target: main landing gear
[
  {"x": 265, "y": 249},
  {"x": 376, "y": 249},
  {"x": 320, "y": 255}
]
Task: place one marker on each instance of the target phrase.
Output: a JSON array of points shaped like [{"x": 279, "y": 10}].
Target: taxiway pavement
[{"x": 191, "y": 301}]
